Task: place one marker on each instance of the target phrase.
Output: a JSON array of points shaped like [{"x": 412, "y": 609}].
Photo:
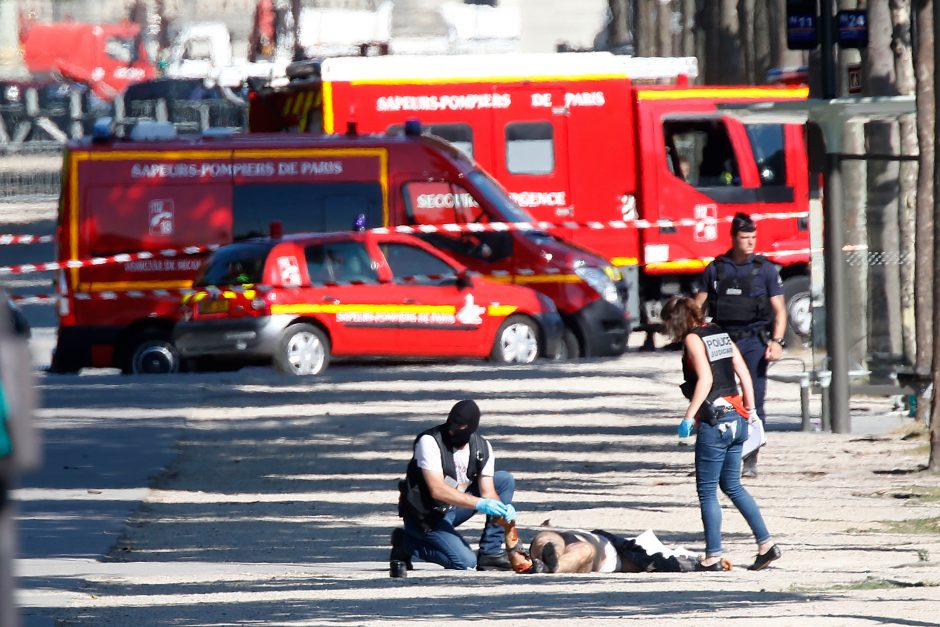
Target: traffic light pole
[{"x": 827, "y": 49}]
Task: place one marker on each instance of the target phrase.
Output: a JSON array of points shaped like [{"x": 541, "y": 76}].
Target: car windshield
[
  {"x": 499, "y": 199},
  {"x": 235, "y": 265}
]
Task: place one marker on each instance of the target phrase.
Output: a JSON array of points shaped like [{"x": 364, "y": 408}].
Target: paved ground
[{"x": 246, "y": 499}]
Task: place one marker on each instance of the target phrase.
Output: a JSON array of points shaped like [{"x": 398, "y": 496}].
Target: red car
[{"x": 299, "y": 300}]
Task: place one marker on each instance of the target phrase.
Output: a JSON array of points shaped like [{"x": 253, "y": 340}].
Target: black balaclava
[{"x": 463, "y": 420}]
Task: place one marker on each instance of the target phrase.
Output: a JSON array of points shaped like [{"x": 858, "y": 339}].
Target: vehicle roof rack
[{"x": 151, "y": 130}]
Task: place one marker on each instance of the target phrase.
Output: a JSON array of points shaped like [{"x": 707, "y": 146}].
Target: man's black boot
[
  {"x": 398, "y": 549},
  {"x": 750, "y": 465},
  {"x": 497, "y": 561}
]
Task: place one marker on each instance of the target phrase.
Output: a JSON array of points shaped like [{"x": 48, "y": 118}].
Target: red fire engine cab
[{"x": 645, "y": 175}]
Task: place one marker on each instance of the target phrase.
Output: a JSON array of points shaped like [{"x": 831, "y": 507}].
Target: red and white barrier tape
[
  {"x": 26, "y": 268},
  {"x": 7, "y": 239}
]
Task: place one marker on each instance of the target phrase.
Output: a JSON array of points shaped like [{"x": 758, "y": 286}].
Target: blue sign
[
  {"x": 802, "y": 22},
  {"x": 853, "y": 29}
]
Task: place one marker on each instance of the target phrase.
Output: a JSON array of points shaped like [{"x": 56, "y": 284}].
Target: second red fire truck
[{"x": 646, "y": 175}]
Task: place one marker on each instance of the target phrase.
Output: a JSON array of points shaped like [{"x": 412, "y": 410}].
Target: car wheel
[
  {"x": 302, "y": 350},
  {"x": 569, "y": 347},
  {"x": 517, "y": 342},
  {"x": 798, "y": 298},
  {"x": 152, "y": 352}
]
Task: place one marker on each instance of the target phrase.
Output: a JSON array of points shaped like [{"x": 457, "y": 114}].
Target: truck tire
[
  {"x": 798, "y": 298},
  {"x": 152, "y": 352},
  {"x": 569, "y": 347},
  {"x": 302, "y": 350},
  {"x": 517, "y": 342}
]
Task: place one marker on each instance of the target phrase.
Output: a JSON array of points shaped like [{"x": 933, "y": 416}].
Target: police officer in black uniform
[
  {"x": 451, "y": 477},
  {"x": 744, "y": 296}
]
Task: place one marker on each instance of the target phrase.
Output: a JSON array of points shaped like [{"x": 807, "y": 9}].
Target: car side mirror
[{"x": 464, "y": 280}]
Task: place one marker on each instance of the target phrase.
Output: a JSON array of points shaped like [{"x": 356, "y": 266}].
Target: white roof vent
[{"x": 149, "y": 130}]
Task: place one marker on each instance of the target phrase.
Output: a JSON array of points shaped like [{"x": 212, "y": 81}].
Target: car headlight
[{"x": 600, "y": 283}]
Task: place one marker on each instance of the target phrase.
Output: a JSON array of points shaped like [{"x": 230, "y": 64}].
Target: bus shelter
[{"x": 826, "y": 122}]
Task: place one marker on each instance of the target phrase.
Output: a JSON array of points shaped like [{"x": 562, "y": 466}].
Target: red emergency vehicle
[
  {"x": 312, "y": 297},
  {"x": 577, "y": 141},
  {"x": 106, "y": 57},
  {"x": 166, "y": 193}
]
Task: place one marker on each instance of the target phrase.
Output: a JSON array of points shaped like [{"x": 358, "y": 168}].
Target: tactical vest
[
  {"x": 414, "y": 499},
  {"x": 718, "y": 347},
  {"x": 733, "y": 304}
]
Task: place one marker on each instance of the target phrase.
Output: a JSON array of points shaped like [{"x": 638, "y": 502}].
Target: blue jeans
[
  {"x": 718, "y": 464},
  {"x": 753, "y": 350},
  {"x": 444, "y": 545}
]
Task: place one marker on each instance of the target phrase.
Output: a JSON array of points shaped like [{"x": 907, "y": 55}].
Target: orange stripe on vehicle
[
  {"x": 500, "y": 311},
  {"x": 547, "y": 278},
  {"x": 685, "y": 264},
  {"x": 724, "y": 93},
  {"x": 625, "y": 261}
]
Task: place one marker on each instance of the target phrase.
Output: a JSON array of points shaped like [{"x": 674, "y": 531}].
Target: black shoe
[
  {"x": 763, "y": 561},
  {"x": 499, "y": 561},
  {"x": 398, "y": 549},
  {"x": 550, "y": 557},
  {"x": 716, "y": 567}
]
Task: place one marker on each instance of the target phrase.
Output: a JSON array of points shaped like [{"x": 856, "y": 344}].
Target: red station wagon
[{"x": 299, "y": 300}]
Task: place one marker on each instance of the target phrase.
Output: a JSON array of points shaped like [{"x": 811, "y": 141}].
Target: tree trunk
[
  {"x": 853, "y": 186},
  {"x": 934, "y": 461},
  {"x": 882, "y": 139},
  {"x": 729, "y": 60},
  {"x": 746, "y": 29},
  {"x": 907, "y": 175},
  {"x": 688, "y": 29},
  {"x": 761, "y": 28},
  {"x": 646, "y": 28},
  {"x": 619, "y": 28},
  {"x": 923, "y": 259},
  {"x": 709, "y": 39},
  {"x": 664, "y": 28}
]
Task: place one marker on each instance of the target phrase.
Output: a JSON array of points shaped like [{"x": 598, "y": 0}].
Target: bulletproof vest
[
  {"x": 733, "y": 304},
  {"x": 414, "y": 498},
  {"x": 718, "y": 347}
]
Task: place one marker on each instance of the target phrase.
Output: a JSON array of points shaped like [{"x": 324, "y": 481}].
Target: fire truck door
[
  {"x": 698, "y": 170},
  {"x": 530, "y": 143}
]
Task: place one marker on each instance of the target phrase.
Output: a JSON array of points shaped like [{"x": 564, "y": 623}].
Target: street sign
[
  {"x": 802, "y": 19},
  {"x": 852, "y": 29},
  {"x": 854, "y": 82}
]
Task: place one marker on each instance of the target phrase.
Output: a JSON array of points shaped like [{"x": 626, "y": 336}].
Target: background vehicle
[
  {"x": 356, "y": 294},
  {"x": 106, "y": 57},
  {"x": 123, "y": 196},
  {"x": 584, "y": 138}
]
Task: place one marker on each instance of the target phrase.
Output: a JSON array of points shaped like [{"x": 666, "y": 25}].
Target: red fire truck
[
  {"x": 159, "y": 192},
  {"x": 577, "y": 140}
]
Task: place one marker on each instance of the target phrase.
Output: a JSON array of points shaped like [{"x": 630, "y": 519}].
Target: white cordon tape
[
  {"x": 9, "y": 238},
  {"x": 27, "y": 268},
  {"x": 214, "y": 290}
]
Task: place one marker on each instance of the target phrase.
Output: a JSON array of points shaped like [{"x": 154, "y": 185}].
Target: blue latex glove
[
  {"x": 686, "y": 427},
  {"x": 492, "y": 507},
  {"x": 510, "y": 512}
]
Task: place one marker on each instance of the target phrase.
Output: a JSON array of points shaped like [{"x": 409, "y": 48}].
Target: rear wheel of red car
[
  {"x": 302, "y": 350},
  {"x": 517, "y": 342}
]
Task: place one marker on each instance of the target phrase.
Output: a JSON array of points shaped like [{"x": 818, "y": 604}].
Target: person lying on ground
[{"x": 598, "y": 551}]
